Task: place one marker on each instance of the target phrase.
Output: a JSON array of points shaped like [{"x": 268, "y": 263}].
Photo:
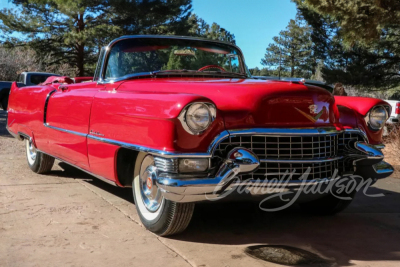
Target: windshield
[{"x": 166, "y": 56}]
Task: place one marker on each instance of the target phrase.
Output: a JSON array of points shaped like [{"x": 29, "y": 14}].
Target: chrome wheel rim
[
  {"x": 32, "y": 152},
  {"x": 150, "y": 193}
]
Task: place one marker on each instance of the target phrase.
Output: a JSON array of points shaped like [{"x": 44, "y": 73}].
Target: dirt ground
[{"x": 68, "y": 218}]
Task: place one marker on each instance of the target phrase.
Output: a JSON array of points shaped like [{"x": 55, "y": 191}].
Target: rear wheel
[
  {"x": 37, "y": 161},
  {"x": 158, "y": 215},
  {"x": 329, "y": 205}
]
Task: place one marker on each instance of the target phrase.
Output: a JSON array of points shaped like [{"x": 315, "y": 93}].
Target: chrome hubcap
[
  {"x": 149, "y": 190},
  {"x": 32, "y": 151}
]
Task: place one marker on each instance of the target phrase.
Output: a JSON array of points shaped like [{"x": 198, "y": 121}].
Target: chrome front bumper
[{"x": 368, "y": 164}]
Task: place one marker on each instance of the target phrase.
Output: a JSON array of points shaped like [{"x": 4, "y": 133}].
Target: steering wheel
[{"x": 212, "y": 67}]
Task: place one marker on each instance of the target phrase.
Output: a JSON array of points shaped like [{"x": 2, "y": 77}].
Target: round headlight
[
  {"x": 377, "y": 117},
  {"x": 198, "y": 117}
]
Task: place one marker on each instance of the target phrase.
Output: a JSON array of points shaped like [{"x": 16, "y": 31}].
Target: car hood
[{"x": 247, "y": 103}]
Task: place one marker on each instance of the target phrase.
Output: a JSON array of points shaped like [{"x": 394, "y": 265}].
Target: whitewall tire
[
  {"x": 37, "y": 161},
  {"x": 158, "y": 215}
]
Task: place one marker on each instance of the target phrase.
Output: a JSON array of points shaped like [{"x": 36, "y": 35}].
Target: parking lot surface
[{"x": 68, "y": 218}]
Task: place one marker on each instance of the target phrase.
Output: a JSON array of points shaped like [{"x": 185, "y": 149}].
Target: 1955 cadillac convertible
[{"x": 180, "y": 120}]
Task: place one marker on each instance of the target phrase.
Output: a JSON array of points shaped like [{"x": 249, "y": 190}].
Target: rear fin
[{"x": 14, "y": 85}]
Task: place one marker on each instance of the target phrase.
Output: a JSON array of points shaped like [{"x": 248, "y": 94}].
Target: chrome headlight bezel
[
  {"x": 373, "y": 120},
  {"x": 183, "y": 117}
]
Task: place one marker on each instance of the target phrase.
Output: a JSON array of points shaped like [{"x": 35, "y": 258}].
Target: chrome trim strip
[
  {"x": 299, "y": 161},
  {"x": 152, "y": 151},
  {"x": 46, "y": 103},
  {"x": 65, "y": 130},
  {"x": 79, "y": 168},
  {"x": 286, "y": 131},
  {"x": 214, "y": 144}
]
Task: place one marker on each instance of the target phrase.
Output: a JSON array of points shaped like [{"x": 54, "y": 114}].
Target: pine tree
[
  {"x": 373, "y": 66},
  {"x": 201, "y": 28},
  {"x": 291, "y": 51},
  {"x": 359, "y": 20},
  {"x": 73, "y": 30}
]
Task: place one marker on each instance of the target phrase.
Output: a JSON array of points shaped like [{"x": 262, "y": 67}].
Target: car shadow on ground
[
  {"x": 369, "y": 230},
  {"x": 69, "y": 171}
]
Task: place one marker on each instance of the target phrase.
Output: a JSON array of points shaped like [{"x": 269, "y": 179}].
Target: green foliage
[
  {"x": 214, "y": 32},
  {"x": 291, "y": 52},
  {"x": 375, "y": 66},
  {"x": 74, "y": 30},
  {"x": 359, "y": 20},
  {"x": 268, "y": 72}
]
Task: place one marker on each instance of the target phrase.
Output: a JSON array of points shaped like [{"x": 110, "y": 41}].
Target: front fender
[
  {"x": 359, "y": 106},
  {"x": 149, "y": 119}
]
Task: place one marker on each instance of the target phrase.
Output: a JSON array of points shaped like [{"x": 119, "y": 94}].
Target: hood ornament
[{"x": 313, "y": 110}]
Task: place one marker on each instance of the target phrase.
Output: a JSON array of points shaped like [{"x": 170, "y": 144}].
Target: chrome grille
[
  {"x": 289, "y": 171},
  {"x": 346, "y": 138},
  {"x": 285, "y": 147},
  {"x": 166, "y": 165},
  {"x": 346, "y": 164}
]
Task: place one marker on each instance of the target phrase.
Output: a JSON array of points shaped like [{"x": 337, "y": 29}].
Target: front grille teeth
[
  {"x": 285, "y": 147},
  {"x": 317, "y": 147}
]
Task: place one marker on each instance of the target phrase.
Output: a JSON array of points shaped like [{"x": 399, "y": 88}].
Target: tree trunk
[
  {"x": 80, "y": 47},
  {"x": 292, "y": 67},
  {"x": 81, "y": 60}
]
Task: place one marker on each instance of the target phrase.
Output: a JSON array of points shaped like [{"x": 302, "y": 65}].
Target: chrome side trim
[
  {"x": 79, "y": 168},
  {"x": 152, "y": 151},
  {"x": 214, "y": 144},
  {"x": 65, "y": 130}
]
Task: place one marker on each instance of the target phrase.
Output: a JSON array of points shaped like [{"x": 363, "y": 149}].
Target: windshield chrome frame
[{"x": 101, "y": 80}]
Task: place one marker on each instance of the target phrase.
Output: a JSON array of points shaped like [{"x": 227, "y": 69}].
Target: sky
[{"x": 253, "y": 22}]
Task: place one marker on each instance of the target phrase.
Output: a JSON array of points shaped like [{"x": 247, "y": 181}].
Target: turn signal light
[{"x": 193, "y": 165}]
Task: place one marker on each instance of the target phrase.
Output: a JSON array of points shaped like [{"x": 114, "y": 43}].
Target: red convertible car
[{"x": 181, "y": 120}]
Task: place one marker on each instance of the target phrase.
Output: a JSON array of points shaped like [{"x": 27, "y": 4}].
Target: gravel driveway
[{"x": 69, "y": 219}]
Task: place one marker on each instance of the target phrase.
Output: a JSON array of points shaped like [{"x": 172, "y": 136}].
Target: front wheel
[
  {"x": 160, "y": 216},
  {"x": 37, "y": 161},
  {"x": 329, "y": 205}
]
